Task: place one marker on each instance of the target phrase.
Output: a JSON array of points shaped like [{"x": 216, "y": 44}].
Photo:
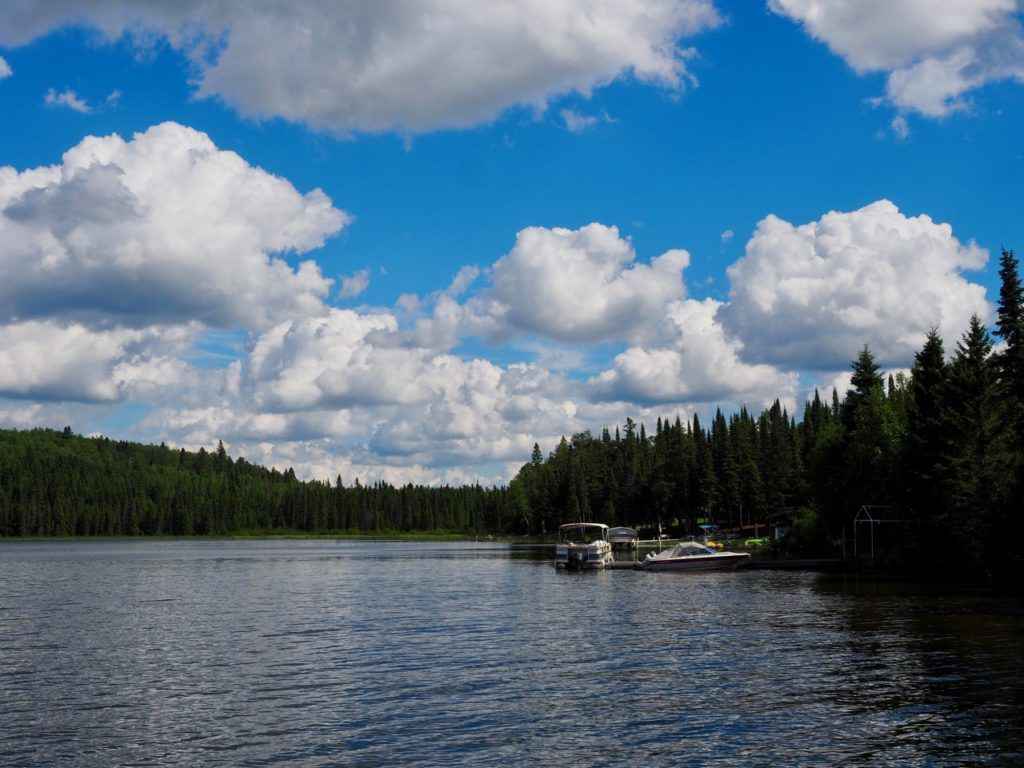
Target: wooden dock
[
  {"x": 624, "y": 565},
  {"x": 819, "y": 564}
]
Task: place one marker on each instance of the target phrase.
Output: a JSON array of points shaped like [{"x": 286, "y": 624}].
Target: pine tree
[
  {"x": 1007, "y": 511},
  {"x": 971, "y": 423},
  {"x": 927, "y": 446},
  {"x": 1010, "y": 325},
  {"x": 871, "y": 439},
  {"x": 866, "y": 377}
]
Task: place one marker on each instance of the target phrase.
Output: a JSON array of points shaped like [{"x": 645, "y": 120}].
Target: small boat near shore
[
  {"x": 583, "y": 546},
  {"x": 623, "y": 537},
  {"x": 693, "y": 556}
]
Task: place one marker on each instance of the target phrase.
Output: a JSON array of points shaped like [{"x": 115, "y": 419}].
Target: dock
[
  {"x": 624, "y": 565},
  {"x": 817, "y": 564}
]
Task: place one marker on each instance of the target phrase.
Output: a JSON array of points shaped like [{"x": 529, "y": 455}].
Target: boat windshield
[{"x": 690, "y": 548}]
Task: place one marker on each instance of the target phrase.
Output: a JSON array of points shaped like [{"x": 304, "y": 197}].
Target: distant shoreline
[{"x": 270, "y": 535}]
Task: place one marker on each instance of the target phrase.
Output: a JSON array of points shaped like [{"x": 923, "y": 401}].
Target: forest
[
  {"x": 940, "y": 449},
  {"x": 943, "y": 446}
]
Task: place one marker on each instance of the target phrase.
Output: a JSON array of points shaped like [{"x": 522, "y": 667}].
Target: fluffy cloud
[
  {"x": 348, "y": 360},
  {"x": 164, "y": 228},
  {"x": 395, "y": 66},
  {"x": 50, "y": 361},
  {"x": 5, "y": 68},
  {"x": 328, "y": 361},
  {"x": 703, "y": 365},
  {"x": 810, "y": 296},
  {"x": 326, "y": 384},
  {"x": 114, "y": 263},
  {"x": 580, "y": 286},
  {"x": 935, "y": 51}
]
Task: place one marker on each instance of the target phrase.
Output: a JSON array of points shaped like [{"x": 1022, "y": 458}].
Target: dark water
[{"x": 325, "y": 653}]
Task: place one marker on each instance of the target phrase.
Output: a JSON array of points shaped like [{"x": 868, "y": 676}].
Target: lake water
[{"x": 369, "y": 653}]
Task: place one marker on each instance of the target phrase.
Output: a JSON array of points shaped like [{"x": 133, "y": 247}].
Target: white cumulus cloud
[
  {"x": 406, "y": 66},
  {"x": 580, "y": 286},
  {"x": 5, "y": 68},
  {"x": 810, "y": 296},
  {"x": 701, "y": 365},
  {"x": 324, "y": 385},
  {"x": 934, "y": 51},
  {"x": 50, "y": 361},
  {"x": 163, "y": 228}
]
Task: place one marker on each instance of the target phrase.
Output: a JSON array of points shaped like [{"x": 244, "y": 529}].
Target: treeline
[
  {"x": 944, "y": 447},
  {"x": 61, "y": 484},
  {"x": 941, "y": 450}
]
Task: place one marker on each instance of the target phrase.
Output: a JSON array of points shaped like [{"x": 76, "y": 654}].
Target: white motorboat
[
  {"x": 692, "y": 556},
  {"x": 583, "y": 546}
]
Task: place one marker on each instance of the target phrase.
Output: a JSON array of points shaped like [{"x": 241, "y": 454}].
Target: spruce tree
[
  {"x": 870, "y": 441},
  {"x": 1007, "y": 512},
  {"x": 971, "y": 467},
  {"x": 865, "y": 377},
  {"x": 927, "y": 444},
  {"x": 1010, "y": 324}
]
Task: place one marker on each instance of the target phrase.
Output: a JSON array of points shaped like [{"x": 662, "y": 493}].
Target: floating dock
[
  {"x": 820, "y": 564},
  {"x": 624, "y": 565}
]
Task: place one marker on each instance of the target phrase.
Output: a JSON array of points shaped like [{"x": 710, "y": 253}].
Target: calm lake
[{"x": 378, "y": 653}]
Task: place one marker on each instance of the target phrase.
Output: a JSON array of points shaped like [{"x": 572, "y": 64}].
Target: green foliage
[
  {"x": 741, "y": 472},
  {"x": 60, "y": 484},
  {"x": 808, "y": 536}
]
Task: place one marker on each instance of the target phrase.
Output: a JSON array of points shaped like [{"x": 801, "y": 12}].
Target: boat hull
[
  {"x": 597, "y": 565},
  {"x": 717, "y": 562},
  {"x": 583, "y": 557}
]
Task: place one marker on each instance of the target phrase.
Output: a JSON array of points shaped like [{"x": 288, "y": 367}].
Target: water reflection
[
  {"x": 372, "y": 653},
  {"x": 947, "y": 668}
]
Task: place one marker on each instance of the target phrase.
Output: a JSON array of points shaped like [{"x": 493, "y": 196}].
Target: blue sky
[{"x": 836, "y": 176}]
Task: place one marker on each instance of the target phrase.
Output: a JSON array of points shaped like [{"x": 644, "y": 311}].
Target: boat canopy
[
  {"x": 683, "y": 549},
  {"x": 622, "y": 533},
  {"x": 582, "y": 532}
]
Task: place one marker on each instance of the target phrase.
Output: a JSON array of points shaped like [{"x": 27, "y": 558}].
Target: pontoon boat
[{"x": 583, "y": 546}]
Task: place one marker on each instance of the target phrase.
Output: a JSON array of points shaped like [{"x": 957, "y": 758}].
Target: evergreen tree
[
  {"x": 866, "y": 377},
  {"x": 871, "y": 440},
  {"x": 970, "y": 472},
  {"x": 927, "y": 447},
  {"x": 1010, "y": 323},
  {"x": 1007, "y": 512}
]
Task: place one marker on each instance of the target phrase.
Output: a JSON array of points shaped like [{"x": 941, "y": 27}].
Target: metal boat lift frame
[{"x": 878, "y": 515}]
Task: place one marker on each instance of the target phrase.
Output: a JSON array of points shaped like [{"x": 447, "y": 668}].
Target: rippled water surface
[{"x": 375, "y": 653}]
